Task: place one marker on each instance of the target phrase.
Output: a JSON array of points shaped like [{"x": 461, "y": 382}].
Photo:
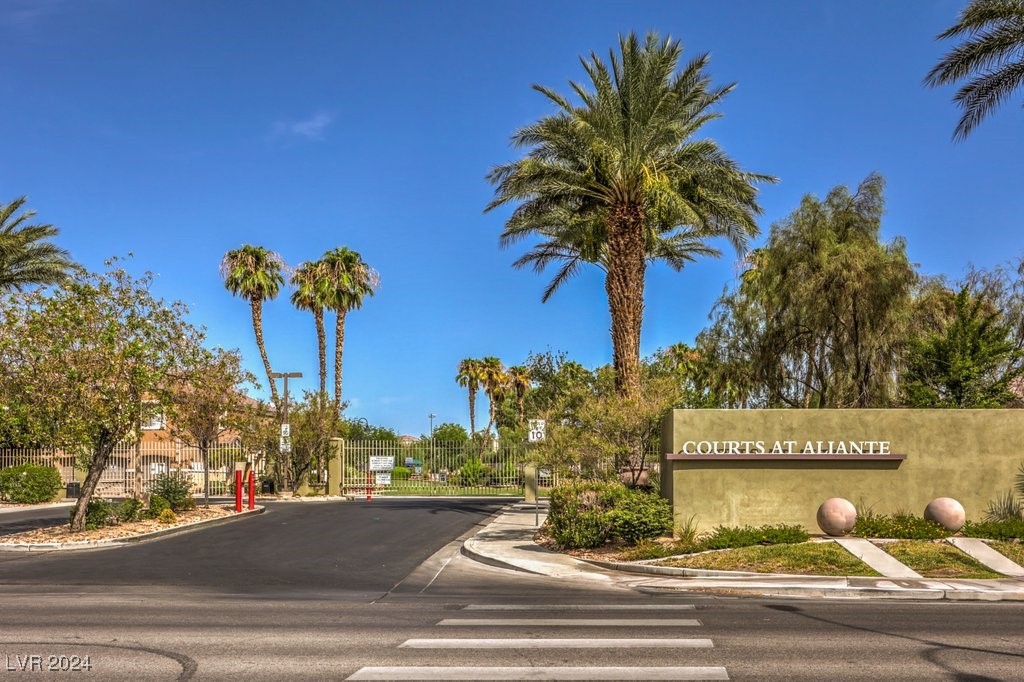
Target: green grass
[
  {"x": 1014, "y": 551},
  {"x": 937, "y": 560},
  {"x": 808, "y": 558}
]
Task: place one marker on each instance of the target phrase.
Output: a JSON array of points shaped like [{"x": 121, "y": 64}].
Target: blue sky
[{"x": 177, "y": 131}]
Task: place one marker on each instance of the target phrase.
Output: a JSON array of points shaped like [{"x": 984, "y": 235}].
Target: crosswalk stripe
[
  {"x": 578, "y": 607},
  {"x": 576, "y": 622},
  {"x": 661, "y": 643},
  {"x": 539, "y": 673}
]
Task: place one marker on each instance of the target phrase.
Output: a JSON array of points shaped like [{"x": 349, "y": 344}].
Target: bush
[
  {"x": 129, "y": 510},
  {"x": 176, "y": 489},
  {"x": 99, "y": 513},
  {"x": 167, "y": 516},
  {"x": 640, "y": 515},
  {"x": 29, "y": 483},
  {"x": 157, "y": 506},
  {"x": 400, "y": 474},
  {"x": 580, "y": 514},
  {"x": 473, "y": 473},
  {"x": 1007, "y": 529},
  {"x": 725, "y": 537},
  {"x": 898, "y": 526}
]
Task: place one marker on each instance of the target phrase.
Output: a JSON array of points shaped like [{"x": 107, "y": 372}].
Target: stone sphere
[
  {"x": 946, "y": 512},
  {"x": 837, "y": 516}
]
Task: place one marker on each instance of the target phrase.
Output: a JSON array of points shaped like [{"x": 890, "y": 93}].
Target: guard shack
[{"x": 755, "y": 467}]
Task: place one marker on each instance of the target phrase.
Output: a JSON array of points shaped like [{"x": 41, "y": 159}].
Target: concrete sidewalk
[{"x": 507, "y": 542}]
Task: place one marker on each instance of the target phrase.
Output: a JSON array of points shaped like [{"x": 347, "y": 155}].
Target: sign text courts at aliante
[{"x": 755, "y": 467}]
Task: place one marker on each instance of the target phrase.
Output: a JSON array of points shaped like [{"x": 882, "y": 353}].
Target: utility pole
[{"x": 285, "y": 444}]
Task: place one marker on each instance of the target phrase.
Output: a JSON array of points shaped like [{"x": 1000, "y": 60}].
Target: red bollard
[
  {"x": 369, "y": 484},
  {"x": 252, "y": 489},
  {"x": 238, "y": 490}
]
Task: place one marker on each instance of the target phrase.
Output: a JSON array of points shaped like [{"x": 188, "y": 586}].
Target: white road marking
[
  {"x": 540, "y": 673},
  {"x": 578, "y": 607},
  {"x": 575, "y": 622},
  {"x": 663, "y": 643}
]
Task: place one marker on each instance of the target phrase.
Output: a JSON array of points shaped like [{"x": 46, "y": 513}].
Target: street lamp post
[
  {"x": 431, "y": 416},
  {"x": 285, "y": 442}
]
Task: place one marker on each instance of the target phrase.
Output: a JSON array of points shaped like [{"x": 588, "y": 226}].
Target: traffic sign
[
  {"x": 537, "y": 430},
  {"x": 285, "y": 444},
  {"x": 382, "y": 463},
  {"x": 286, "y": 430}
]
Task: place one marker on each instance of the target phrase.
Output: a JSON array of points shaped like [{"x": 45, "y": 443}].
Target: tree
[
  {"x": 207, "y": 401},
  {"x": 519, "y": 383},
  {"x": 315, "y": 420},
  {"x": 990, "y": 60},
  {"x": 27, "y": 258},
  {"x": 822, "y": 316},
  {"x": 620, "y": 179},
  {"x": 312, "y": 290},
  {"x": 494, "y": 384},
  {"x": 469, "y": 375},
  {"x": 255, "y": 274},
  {"x": 972, "y": 363},
  {"x": 82, "y": 365},
  {"x": 349, "y": 280},
  {"x": 450, "y": 433}
]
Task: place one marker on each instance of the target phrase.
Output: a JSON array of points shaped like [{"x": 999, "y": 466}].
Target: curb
[
  {"x": 848, "y": 593},
  {"x": 114, "y": 542}
]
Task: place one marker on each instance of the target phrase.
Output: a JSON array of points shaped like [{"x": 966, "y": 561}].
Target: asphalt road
[
  {"x": 329, "y": 591},
  {"x": 28, "y": 519}
]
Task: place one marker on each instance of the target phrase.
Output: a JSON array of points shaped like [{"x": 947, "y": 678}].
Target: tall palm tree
[
  {"x": 494, "y": 382},
  {"x": 255, "y": 274},
  {"x": 991, "y": 59},
  {"x": 350, "y": 280},
  {"x": 26, "y": 257},
  {"x": 469, "y": 375},
  {"x": 620, "y": 179},
  {"x": 519, "y": 383},
  {"x": 312, "y": 289}
]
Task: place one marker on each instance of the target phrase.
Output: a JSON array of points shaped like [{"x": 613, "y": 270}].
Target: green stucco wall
[{"x": 969, "y": 455}]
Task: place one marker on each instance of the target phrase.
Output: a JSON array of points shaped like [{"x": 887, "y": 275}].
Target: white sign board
[
  {"x": 285, "y": 444},
  {"x": 384, "y": 463},
  {"x": 286, "y": 430},
  {"x": 537, "y": 430},
  {"x": 383, "y": 477}
]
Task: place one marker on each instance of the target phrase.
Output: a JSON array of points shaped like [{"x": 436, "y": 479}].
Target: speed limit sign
[{"x": 536, "y": 430}]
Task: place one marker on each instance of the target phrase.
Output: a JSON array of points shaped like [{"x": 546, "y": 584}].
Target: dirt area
[{"x": 124, "y": 530}]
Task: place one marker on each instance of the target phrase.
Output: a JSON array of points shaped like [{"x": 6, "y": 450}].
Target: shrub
[
  {"x": 157, "y": 505},
  {"x": 400, "y": 474},
  {"x": 129, "y": 510},
  {"x": 176, "y": 489},
  {"x": 899, "y": 526},
  {"x": 473, "y": 473},
  {"x": 640, "y": 515},
  {"x": 724, "y": 537},
  {"x": 29, "y": 483},
  {"x": 99, "y": 513},
  {"x": 1007, "y": 529},
  {"x": 167, "y": 516},
  {"x": 580, "y": 514}
]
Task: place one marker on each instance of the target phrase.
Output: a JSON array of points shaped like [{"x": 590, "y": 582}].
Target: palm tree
[
  {"x": 350, "y": 280},
  {"x": 494, "y": 382},
  {"x": 469, "y": 375},
  {"x": 26, "y": 258},
  {"x": 311, "y": 294},
  {"x": 991, "y": 59},
  {"x": 519, "y": 383},
  {"x": 255, "y": 274},
  {"x": 620, "y": 179}
]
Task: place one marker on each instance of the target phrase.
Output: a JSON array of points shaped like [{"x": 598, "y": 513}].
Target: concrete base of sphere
[
  {"x": 837, "y": 516},
  {"x": 946, "y": 512}
]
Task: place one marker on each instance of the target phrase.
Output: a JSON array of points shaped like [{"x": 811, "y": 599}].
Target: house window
[{"x": 152, "y": 417}]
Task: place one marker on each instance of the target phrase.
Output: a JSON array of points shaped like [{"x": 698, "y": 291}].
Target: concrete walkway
[{"x": 507, "y": 542}]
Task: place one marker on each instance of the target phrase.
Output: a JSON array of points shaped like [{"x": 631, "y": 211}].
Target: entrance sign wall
[{"x": 755, "y": 467}]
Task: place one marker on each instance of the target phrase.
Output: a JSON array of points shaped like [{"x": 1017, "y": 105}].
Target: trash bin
[
  {"x": 267, "y": 487},
  {"x": 74, "y": 490}
]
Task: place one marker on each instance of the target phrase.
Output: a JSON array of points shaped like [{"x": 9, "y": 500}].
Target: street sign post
[{"x": 536, "y": 433}]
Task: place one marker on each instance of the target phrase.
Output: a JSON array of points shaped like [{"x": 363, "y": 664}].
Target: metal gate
[{"x": 429, "y": 467}]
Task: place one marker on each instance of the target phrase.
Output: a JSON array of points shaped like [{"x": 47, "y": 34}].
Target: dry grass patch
[
  {"x": 937, "y": 560},
  {"x": 1014, "y": 551},
  {"x": 807, "y": 558},
  {"x": 62, "y": 533}
]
